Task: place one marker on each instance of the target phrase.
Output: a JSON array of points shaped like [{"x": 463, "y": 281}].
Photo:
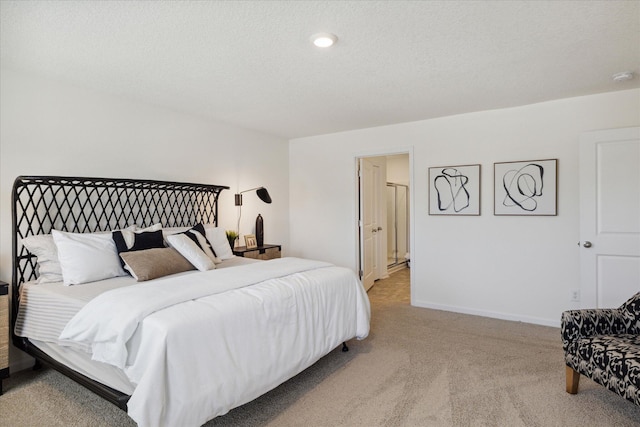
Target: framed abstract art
[
  {"x": 526, "y": 188},
  {"x": 454, "y": 190}
]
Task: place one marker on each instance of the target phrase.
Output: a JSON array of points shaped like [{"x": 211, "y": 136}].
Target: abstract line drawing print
[
  {"x": 454, "y": 190},
  {"x": 522, "y": 186},
  {"x": 526, "y": 188},
  {"x": 451, "y": 189}
]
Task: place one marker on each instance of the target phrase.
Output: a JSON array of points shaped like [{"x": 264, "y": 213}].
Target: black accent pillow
[{"x": 142, "y": 241}]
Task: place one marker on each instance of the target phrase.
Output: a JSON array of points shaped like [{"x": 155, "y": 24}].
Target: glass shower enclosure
[{"x": 397, "y": 224}]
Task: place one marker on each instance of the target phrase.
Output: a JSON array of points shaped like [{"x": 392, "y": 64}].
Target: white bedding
[
  {"x": 46, "y": 308},
  {"x": 220, "y": 345}
]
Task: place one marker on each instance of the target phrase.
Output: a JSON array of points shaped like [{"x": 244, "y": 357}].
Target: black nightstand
[
  {"x": 261, "y": 252},
  {"x": 4, "y": 332}
]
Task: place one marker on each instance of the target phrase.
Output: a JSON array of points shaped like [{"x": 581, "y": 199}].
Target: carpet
[{"x": 418, "y": 367}]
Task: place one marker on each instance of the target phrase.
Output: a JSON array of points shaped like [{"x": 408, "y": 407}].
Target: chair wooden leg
[{"x": 573, "y": 379}]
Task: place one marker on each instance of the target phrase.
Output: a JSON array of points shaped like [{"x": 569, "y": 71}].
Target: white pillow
[
  {"x": 44, "y": 248},
  {"x": 168, "y": 231},
  {"x": 46, "y": 252},
  {"x": 154, "y": 227},
  {"x": 190, "y": 250},
  {"x": 218, "y": 239},
  {"x": 205, "y": 246},
  {"x": 87, "y": 257}
]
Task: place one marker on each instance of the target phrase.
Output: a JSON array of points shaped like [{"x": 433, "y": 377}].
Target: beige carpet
[{"x": 419, "y": 367}]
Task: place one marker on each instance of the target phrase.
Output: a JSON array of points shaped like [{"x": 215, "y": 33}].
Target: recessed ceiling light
[
  {"x": 623, "y": 76},
  {"x": 324, "y": 39}
]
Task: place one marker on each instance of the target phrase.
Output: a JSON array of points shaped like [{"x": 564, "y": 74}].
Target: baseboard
[
  {"x": 397, "y": 267},
  {"x": 486, "y": 313}
]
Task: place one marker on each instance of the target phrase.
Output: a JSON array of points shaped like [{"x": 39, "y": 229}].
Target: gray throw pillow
[{"x": 153, "y": 263}]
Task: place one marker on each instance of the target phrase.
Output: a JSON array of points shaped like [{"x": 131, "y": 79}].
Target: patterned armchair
[{"x": 604, "y": 345}]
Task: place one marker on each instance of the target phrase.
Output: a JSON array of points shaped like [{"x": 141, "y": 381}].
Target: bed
[{"x": 179, "y": 348}]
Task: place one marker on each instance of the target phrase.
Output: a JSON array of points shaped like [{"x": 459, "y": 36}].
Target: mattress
[{"x": 80, "y": 361}]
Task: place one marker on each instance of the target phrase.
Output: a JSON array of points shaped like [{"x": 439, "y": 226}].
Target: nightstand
[
  {"x": 261, "y": 252},
  {"x": 4, "y": 332}
]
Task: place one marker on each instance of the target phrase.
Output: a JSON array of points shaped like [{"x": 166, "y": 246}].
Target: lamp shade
[{"x": 262, "y": 193}]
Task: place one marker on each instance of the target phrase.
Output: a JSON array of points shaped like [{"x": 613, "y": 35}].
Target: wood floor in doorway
[{"x": 396, "y": 288}]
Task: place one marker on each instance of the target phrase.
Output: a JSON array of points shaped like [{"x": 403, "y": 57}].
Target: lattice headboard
[{"x": 82, "y": 205}]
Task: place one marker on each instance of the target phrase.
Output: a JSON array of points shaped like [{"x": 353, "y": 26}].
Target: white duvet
[{"x": 199, "y": 345}]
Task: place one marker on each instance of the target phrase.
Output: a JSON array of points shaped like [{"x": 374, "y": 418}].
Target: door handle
[
  {"x": 587, "y": 244},
  {"x": 374, "y": 230},
  {"x": 379, "y": 228}
]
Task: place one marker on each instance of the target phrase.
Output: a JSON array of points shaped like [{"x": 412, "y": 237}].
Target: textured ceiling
[{"x": 251, "y": 63}]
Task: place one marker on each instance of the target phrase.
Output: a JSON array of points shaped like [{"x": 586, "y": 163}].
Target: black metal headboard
[{"x": 82, "y": 205}]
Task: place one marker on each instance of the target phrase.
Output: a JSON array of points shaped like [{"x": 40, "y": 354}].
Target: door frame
[{"x": 356, "y": 195}]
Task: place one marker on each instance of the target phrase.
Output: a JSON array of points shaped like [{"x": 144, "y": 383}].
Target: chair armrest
[{"x": 577, "y": 324}]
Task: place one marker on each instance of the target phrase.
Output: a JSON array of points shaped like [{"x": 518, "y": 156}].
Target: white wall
[
  {"x": 398, "y": 169},
  {"x": 49, "y": 128},
  {"x": 520, "y": 268}
]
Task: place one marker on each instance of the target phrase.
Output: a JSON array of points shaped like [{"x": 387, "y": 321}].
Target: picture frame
[
  {"x": 528, "y": 188},
  {"x": 250, "y": 241},
  {"x": 454, "y": 190}
]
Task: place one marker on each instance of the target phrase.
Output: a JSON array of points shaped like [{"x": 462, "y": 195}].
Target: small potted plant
[{"x": 231, "y": 237}]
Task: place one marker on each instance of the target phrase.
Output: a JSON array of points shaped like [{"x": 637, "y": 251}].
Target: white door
[
  {"x": 367, "y": 222},
  {"x": 609, "y": 217}
]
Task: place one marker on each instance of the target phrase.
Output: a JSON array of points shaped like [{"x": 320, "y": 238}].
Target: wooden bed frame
[{"x": 82, "y": 205}]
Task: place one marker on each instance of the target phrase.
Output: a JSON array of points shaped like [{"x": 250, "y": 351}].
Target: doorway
[{"x": 383, "y": 216}]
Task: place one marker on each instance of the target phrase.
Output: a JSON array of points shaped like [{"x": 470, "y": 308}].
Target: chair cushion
[{"x": 617, "y": 354}]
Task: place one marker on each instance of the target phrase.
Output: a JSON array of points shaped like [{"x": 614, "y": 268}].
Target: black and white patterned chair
[{"x": 604, "y": 345}]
